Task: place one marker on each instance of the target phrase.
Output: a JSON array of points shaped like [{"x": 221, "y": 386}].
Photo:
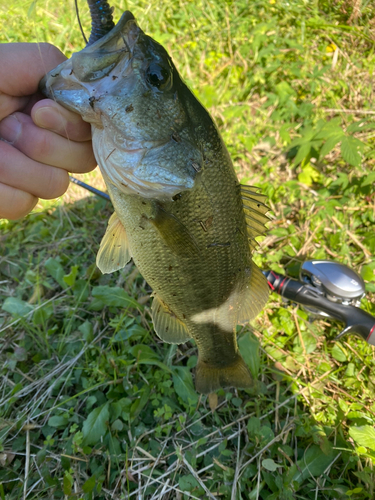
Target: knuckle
[
  {"x": 37, "y": 145},
  {"x": 43, "y": 148}
]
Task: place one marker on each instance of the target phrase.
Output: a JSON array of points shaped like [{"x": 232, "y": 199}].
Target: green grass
[{"x": 92, "y": 404}]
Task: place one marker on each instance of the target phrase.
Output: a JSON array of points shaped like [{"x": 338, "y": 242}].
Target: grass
[{"x": 93, "y": 405}]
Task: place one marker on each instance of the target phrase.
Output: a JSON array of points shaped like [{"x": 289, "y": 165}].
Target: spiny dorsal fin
[
  {"x": 255, "y": 295},
  {"x": 114, "y": 252},
  {"x": 255, "y": 212},
  {"x": 166, "y": 324}
]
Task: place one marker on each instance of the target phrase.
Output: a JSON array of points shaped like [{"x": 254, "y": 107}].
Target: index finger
[{"x": 23, "y": 65}]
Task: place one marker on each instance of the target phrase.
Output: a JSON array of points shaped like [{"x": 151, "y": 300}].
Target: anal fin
[
  {"x": 168, "y": 327},
  {"x": 254, "y": 296},
  {"x": 114, "y": 252}
]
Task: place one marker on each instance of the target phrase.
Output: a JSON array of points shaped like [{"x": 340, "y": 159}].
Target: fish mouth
[
  {"x": 108, "y": 84},
  {"x": 96, "y": 61}
]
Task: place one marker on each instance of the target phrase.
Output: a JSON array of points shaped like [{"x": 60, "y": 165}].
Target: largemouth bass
[{"x": 180, "y": 211}]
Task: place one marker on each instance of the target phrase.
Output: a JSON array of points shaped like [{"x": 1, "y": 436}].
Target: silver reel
[{"x": 337, "y": 282}]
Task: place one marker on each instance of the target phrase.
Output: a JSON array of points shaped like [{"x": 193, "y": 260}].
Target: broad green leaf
[
  {"x": 338, "y": 353},
  {"x": 364, "y": 436},
  {"x": 350, "y": 150},
  {"x": 369, "y": 179},
  {"x": 183, "y": 384},
  {"x": 342, "y": 181},
  {"x": 307, "y": 135},
  {"x": 309, "y": 341},
  {"x": 188, "y": 483},
  {"x": 81, "y": 289},
  {"x": 329, "y": 129},
  {"x": 270, "y": 465},
  {"x": 249, "y": 348},
  {"x": 117, "y": 425},
  {"x": 360, "y": 126},
  {"x": 266, "y": 434},
  {"x": 89, "y": 485},
  {"x": 67, "y": 483},
  {"x": 313, "y": 463},
  {"x": 95, "y": 426},
  {"x": 16, "y": 307},
  {"x": 57, "y": 421},
  {"x": 113, "y": 296},
  {"x": 368, "y": 273},
  {"x": 143, "y": 352},
  {"x": 87, "y": 330},
  {"x": 71, "y": 277},
  {"x": 41, "y": 314},
  {"x": 302, "y": 153},
  {"x": 56, "y": 270},
  {"x": 330, "y": 144},
  {"x": 253, "y": 426}
]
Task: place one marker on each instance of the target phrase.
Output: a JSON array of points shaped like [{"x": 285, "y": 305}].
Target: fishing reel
[
  {"x": 331, "y": 290},
  {"x": 337, "y": 282}
]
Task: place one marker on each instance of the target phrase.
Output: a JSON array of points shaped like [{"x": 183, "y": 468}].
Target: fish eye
[{"x": 158, "y": 75}]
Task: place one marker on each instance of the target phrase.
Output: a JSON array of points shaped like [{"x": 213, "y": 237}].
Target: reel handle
[{"x": 356, "y": 320}]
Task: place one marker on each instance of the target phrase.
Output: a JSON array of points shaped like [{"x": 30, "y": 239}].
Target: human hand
[{"x": 41, "y": 140}]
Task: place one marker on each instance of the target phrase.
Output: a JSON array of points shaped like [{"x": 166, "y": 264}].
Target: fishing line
[{"x": 79, "y": 22}]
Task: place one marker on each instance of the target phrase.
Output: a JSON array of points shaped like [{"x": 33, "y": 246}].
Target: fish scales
[{"x": 179, "y": 208}]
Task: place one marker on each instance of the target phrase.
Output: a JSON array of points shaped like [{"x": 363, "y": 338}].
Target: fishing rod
[
  {"x": 325, "y": 289},
  {"x": 89, "y": 188}
]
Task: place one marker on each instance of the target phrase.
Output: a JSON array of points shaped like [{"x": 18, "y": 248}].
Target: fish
[{"x": 180, "y": 210}]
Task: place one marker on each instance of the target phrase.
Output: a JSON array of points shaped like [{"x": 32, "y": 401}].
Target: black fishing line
[{"x": 79, "y": 22}]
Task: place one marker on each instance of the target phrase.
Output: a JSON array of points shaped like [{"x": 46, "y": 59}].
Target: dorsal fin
[
  {"x": 168, "y": 327},
  {"x": 114, "y": 252},
  {"x": 254, "y": 296},
  {"x": 255, "y": 212}
]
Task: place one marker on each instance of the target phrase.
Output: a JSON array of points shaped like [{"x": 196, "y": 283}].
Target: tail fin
[{"x": 210, "y": 378}]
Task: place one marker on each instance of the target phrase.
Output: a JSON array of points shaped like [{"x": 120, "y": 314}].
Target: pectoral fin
[
  {"x": 174, "y": 234},
  {"x": 254, "y": 296},
  {"x": 167, "y": 326},
  {"x": 114, "y": 252}
]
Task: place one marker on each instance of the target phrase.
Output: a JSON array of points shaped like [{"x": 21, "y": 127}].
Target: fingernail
[
  {"x": 10, "y": 129},
  {"x": 48, "y": 118}
]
